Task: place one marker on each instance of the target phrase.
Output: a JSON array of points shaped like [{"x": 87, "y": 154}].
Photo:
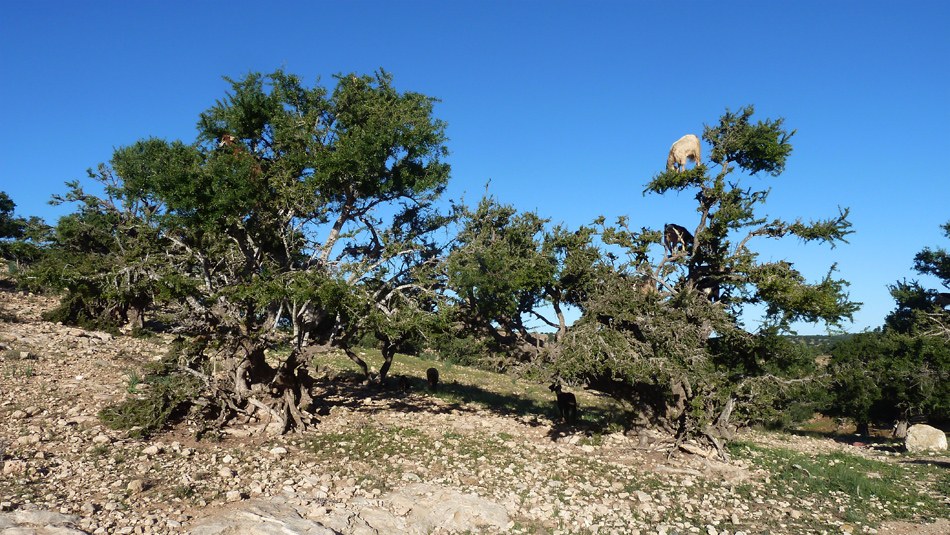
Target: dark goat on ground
[
  {"x": 432, "y": 375},
  {"x": 566, "y": 404}
]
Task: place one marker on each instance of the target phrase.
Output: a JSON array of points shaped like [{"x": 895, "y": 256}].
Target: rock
[
  {"x": 278, "y": 451},
  {"x": 152, "y": 450},
  {"x": 440, "y": 509},
  {"x": 421, "y": 509},
  {"x": 136, "y": 486},
  {"x": 38, "y": 522},
  {"x": 14, "y": 467},
  {"x": 257, "y": 516},
  {"x": 922, "y": 437}
]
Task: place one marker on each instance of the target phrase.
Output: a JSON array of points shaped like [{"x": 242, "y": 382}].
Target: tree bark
[{"x": 900, "y": 429}]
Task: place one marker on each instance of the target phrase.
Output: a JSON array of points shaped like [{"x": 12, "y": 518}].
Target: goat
[
  {"x": 566, "y": 404},
  {"x": 404, "y": 385},
  {"x": 685, "y": 148},
  {"x": 432, "y": 375},
  {"x": 674, "y": 236}
]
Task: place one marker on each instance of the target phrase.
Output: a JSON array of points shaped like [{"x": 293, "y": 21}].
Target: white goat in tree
[{"x": 686, "y": 148}]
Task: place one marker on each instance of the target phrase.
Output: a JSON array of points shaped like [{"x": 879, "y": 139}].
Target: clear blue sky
[{"x": 568, "y": 107}]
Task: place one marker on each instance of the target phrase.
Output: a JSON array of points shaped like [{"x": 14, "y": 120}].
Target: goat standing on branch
[
  {"x": 686, "y": 148},
  {"x": 675, "y": 236}
]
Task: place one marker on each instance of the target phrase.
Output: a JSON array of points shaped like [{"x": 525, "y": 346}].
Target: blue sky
[{"x": 568, "y": 107}]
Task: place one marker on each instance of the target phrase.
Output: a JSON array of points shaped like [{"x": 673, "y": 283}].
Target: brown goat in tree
[
  {"x": 566, "y": 404},
  {"x": 432, "y": 375}
]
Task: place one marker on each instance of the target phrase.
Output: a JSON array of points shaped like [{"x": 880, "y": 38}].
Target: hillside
[{"x": 480, "y": 455}]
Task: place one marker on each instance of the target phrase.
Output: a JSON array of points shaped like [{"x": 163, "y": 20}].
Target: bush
[{"x": 163, "y": 402}]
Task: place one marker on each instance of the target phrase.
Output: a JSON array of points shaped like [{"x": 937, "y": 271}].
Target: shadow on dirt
[{"x": 350, "y": 390}]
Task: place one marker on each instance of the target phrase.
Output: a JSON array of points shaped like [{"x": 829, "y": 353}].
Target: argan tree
[
  {"x": 511, "y": 272},
  {"x": 103, "y": 257},
  {"x": 665, "y": 332},
  {"x": 300, "y": 217}
]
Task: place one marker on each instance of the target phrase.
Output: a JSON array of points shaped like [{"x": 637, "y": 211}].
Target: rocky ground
[{"x": 378, "y": 462}]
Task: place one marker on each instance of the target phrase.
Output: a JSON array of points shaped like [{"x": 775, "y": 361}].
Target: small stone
[
  {"x": 18, "y": 415},
  {"x": 278, "y": 451},
  {"x": 101, "y": 439},
  {"x": 152, "y": 450},
  {"x": 14, "y": 467},
  {"x": 226, "y": 472},
  {"x": 136, "y": 486},
  {"x": 28, "y": 440},
  {"x": 233, "y": 496},
  {"x": 88, "y": 508}
]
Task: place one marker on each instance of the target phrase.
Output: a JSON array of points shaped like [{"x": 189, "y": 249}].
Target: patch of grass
[
  {"x": 368, "y": 441},
  {"x": 853, "y": 488},
  {"x": 133, "y": 382}
]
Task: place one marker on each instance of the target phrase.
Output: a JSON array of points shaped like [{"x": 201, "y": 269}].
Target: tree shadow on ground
[
  {"x": 931, "y": 462},
  {"x": 351, "y": 391}
]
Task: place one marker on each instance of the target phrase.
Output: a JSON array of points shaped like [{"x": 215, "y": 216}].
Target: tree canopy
[
  {"x": 303, "y": 219},
  {"x": 299, "y": 215},
  {"x": 664, "y": 332}
]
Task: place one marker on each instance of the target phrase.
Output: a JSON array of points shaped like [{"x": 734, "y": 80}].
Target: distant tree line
[
  {"x": 899, "y": 372},
  {"x": 308, "y": 219}
]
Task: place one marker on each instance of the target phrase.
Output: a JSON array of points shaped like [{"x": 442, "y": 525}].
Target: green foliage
[
  {"x": 165, "y": 397},
  {"x": 299, "y": 216},
  {"x": 663, "y": 332},
  {"x": 104, "y": 258},
  {"x": 507, "y": 269},
  {"x": 21, "y": 240},
  {"x": 881, "y": 377},
  {"x": 935, "y": 262},
  {"x": 903, "y": 370},
  {"x": 762, "y": 147},
  {"x": 10, "y": 227}
]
